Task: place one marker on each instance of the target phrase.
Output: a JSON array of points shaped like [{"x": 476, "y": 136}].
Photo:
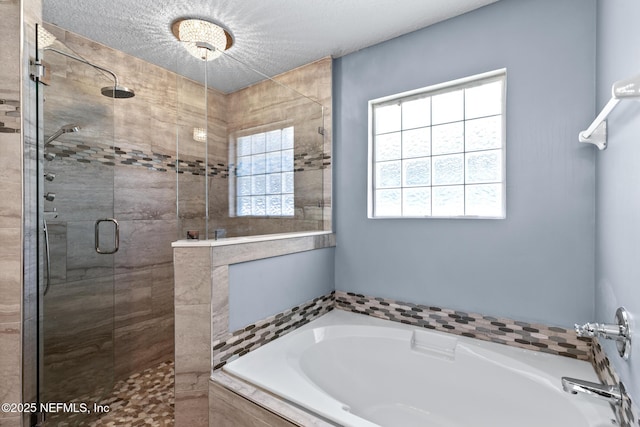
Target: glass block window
[
  {"x": 439, "y": 151},
  {"x": 264, "y": 174}
]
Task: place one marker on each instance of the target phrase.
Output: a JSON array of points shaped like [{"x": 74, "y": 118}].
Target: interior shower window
[
  {"x": 264, "y": 174},
  {"x": 439, "y": 151}
]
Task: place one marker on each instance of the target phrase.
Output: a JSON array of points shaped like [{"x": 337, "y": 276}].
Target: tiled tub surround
[
  {"x": 257, "y": 334},
  {"x": 234, "y": 402},
  {"x": 629, "y": 414},
  {"x": 202, "y": 307},
  {"x": 537, "y": 337},
  {"x": 329, "y": 362}
]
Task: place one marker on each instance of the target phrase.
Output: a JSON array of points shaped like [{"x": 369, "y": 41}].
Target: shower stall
[
  {"x": 79, "y": 233},
  {"x": 120, "y": 177}
]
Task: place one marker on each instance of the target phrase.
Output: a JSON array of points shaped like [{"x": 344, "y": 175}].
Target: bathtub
[{"x": 359, "y": 371}]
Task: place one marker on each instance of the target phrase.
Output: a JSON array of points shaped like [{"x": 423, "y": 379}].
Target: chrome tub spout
[{"x": 610, "y": 393}]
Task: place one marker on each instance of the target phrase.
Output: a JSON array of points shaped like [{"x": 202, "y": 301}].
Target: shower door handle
[
  {"x": 116, "y": 236},
  {"x": 47, "y": 251}
]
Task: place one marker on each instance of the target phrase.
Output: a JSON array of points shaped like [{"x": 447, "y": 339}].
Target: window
[
  {"x": 264, "y": 174},
  {"x": 439, "y": 151}
]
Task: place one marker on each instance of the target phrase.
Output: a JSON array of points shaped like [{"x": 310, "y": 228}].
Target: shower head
[
  {"x": 117, "y": 92},
  {"x": 64, "y": 129}
]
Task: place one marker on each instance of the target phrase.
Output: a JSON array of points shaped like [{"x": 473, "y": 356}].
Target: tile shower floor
[{"x": 144, "y": 399}]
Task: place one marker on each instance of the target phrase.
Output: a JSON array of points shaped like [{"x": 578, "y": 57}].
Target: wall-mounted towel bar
[{"x": 596, "y": 134}]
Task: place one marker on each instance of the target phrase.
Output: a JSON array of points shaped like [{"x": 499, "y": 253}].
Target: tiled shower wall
[
  {"x": 10, "y": 210},
  {"x": 141, "y": 197},
  {"x": 263, "y": 104},
  {"x": 136, "y": 152},
  {"x": 267, "y": 103},
  {"x": 17, "y": 138}
]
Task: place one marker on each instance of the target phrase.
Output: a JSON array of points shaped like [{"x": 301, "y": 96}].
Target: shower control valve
[{"x": 620, "y": 332}]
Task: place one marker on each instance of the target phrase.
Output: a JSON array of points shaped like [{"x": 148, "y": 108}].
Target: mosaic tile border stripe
[
  {"x": 110, "y": 156},
  {"x": 530, "y": 336},
  {"x": 629, "y": 415},
  {"x": 253, "y": 336}
]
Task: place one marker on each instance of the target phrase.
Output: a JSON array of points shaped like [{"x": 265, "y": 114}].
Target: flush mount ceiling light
[{"x": 202, "y": 39}]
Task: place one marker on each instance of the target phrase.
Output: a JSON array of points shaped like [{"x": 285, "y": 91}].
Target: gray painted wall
[
  {"x": 536, "y": 265},
  {"x": 259, "y": 289},
  {"x": 618, "y": 200}
]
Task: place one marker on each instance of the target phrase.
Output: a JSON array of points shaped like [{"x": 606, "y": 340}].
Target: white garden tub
[{"x": 355, "y": 370}]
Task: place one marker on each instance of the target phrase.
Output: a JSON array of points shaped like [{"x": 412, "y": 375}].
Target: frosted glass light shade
[
  {"x": 202, "y": 39},
  {"x": 45, "y": 38}
]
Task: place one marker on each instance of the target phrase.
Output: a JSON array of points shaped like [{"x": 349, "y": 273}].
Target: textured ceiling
[{"x": 271, "y": 36}]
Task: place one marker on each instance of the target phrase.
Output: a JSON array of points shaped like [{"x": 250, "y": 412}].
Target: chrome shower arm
[{"x": 84, "y": 61}]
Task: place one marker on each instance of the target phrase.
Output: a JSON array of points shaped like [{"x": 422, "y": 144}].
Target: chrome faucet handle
[
  {"x": 586, "y": 330},
  {"x": 612, "y": 332},
  {"x": 619, "y": 332}
]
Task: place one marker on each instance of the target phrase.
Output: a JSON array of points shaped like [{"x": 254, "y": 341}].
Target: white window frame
[{"x": 466, "y": 82}]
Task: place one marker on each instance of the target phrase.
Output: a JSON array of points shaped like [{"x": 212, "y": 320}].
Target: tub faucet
[
  {"x": 610, "y": 393},
  {"x": 620, "y": 332}
]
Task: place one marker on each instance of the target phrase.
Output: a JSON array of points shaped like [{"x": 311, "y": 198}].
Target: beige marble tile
[
  {"x": 162, "y": 291},
  {"x": 78, "y": 337},
  {"x": 232, "y": 254},
  {"x": 10, "y": 422},
  {"x": 143, "y": 344},
  {"x": 228, "y": 409},
  {"x": 143, "y": 294},
  {"x": 9, "y": 357},
  {"x": 191, "y": 196},
  {"x": 84, "y": 191},
  {"x": 10, "y": 50},
  {"x": 10, "y": 380},
  {"x": 10, "y": 275},
  {"x": 10, "y": 158},
  {"x": 144, "y": 244},
  {"x": 192, "y": 408},
  {"x": 133, "y": 297},
  {"x": 11, "y": 207},
  {"x": 192, "y": 275},
  {"x": 192, "y": 345},
  {"x": 264, "y": 399},
  {"x": 159, "y": 200},
  {"x": 219, "y": 301},
  {"x": 218, "y": 197},
  {"x": 82, "y": 260}
]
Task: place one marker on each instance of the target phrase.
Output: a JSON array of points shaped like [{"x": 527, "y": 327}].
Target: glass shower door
[{"x": 79, "y": 235}]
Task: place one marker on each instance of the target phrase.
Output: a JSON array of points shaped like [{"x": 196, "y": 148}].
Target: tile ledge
[
  {"x": 268, "y": 401},
  {"x": 246, "y": 239}
]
